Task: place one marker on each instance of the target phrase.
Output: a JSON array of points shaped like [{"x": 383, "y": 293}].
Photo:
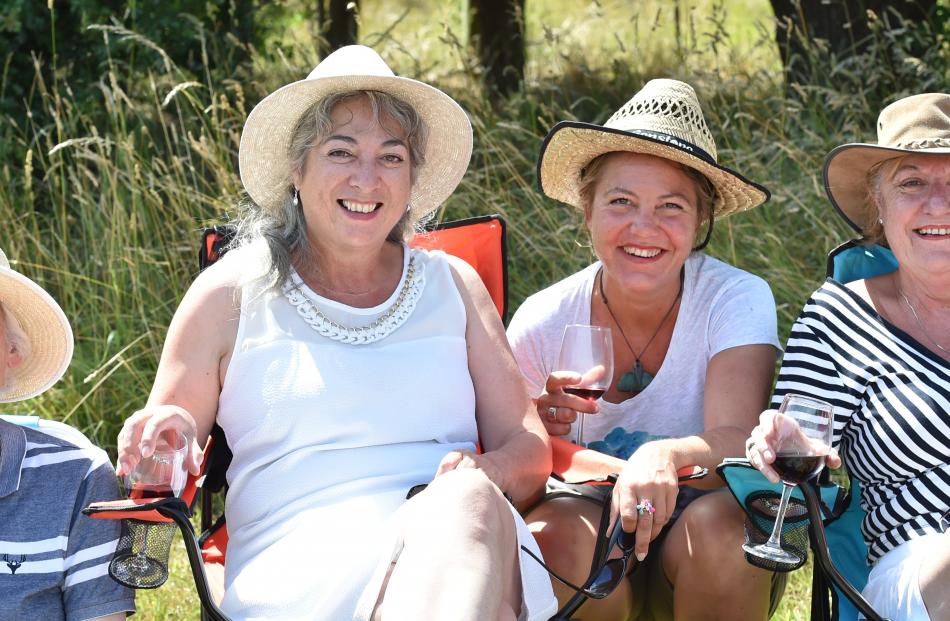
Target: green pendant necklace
[{"x": 636, "y": 379}]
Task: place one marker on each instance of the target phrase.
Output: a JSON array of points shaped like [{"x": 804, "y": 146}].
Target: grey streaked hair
[{"x": 284, "y": 227}]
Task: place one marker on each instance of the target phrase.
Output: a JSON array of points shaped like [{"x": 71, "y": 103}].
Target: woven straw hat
[
  {"x": 663, "y": 119},
  {"x": 45, "y": 326},
  {"x": 914, "y": 125},
  {"x": 264, "y": 152}
]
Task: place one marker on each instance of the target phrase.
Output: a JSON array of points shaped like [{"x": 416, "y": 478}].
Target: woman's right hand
[
  {"x": 760, "y": 447},
  {"x": 141, "y": 431},
  {"x": 558, "y": 409}
]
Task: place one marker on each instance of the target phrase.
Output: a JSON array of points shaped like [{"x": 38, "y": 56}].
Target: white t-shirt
[{"x": 722, "y": 307}]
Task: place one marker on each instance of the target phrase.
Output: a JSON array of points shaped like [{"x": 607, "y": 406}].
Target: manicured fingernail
[{"x": 641, "y": 556}]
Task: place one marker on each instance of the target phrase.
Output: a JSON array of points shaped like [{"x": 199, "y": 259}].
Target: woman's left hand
[
  {"x": 645, "y": 494},
  {"x": 456, "y": 460}
]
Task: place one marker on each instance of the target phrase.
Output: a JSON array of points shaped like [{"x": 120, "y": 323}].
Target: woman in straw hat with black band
[
  {"x": 694, "y": 343},
  {"x": 878, "y": 349},
  {"x": 346, "y": 368}
]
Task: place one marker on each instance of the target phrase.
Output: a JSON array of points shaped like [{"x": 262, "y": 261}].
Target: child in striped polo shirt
[{"x": 53, "y": 560}]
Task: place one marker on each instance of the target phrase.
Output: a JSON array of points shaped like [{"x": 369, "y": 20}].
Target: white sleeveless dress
[{"x": 328, "y": 438}]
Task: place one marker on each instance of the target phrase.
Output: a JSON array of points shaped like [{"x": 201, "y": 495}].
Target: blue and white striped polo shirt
[{"x": 53, "y": 559}]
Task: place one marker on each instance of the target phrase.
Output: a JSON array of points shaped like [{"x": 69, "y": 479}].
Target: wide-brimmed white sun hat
[
  {"x": 264, "y": 157},
  {"x": 663, "y": 119},
  {"x": 40, "y": 319},
  {"x": 915, "y": 125}
]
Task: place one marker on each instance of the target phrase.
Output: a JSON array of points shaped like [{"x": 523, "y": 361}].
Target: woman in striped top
[{"x": 879, "y": 350}]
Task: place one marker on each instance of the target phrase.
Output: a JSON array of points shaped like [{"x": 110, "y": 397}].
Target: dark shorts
[{"x": 654, "y": 592}]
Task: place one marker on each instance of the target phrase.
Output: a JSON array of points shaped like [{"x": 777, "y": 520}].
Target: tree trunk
[
  {"x": 495, "y": 29},
  {"x": 843, "y": 24},
  {"x": 338, "y": 23}
]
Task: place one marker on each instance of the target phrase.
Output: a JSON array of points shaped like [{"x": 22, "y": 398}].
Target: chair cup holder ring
[
  {"x": 141, "y": 556},
  {"x": 761, "y": 508}
]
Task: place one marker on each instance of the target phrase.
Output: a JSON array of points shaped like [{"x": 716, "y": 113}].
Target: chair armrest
[
  {"x": 579, "y": 465},
  {"x": 145, "y": 510}
]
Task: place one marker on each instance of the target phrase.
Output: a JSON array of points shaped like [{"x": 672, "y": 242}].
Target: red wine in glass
[
  {"x": 586, "y": 351},
  {"x": 795, "y": 469},
  {"x": 591, "y": 394},
  {"x": 803, "y": 434},
  {"x": 152, "y": 491}
]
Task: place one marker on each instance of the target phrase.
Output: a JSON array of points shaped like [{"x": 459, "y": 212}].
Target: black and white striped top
[{"x": 892, "y": 411}]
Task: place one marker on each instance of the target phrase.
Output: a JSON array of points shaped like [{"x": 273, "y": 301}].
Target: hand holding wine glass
[
  {"x": 587, "y": 353},
  {"x": 793, "y": 445},
  {"x": 160, "y": 475}
]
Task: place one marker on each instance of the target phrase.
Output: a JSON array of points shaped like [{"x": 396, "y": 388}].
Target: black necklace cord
[{"x": 666, "y": 316}]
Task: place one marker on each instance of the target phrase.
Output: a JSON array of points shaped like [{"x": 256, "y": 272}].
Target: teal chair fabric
[
  {"x": 854, "y": 260},
  {"x": 850, "y": 552}
]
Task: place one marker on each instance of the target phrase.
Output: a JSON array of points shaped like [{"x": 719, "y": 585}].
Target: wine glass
[
  {"x": 587, "y": 351},
  {"x": 804, "y": 428},
  {"x": 161, "y": 475}
]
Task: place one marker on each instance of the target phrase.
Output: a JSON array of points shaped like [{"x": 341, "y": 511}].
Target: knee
[
  {"x": 715, "y": 525},
  {"x": 709, "y": 542},
  {"x": 564, "y": 534},
  {"x": 468, "y": 501}
]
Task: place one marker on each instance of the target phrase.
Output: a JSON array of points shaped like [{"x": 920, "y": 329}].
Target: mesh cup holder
[
  {"x": 761, "y": 508},
  {"x": 141, "y": 558}
]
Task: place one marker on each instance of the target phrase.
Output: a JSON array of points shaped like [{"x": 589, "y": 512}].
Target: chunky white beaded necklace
[{"x": 383, "y": 326}]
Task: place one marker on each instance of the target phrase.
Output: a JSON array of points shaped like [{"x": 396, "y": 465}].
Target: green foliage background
[{"x": 119, "y": 137}]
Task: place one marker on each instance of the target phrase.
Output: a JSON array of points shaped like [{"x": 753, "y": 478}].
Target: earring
[
  {"x": 880, "y": 221},
  {"x": 408, "y": 207},
  {"x": 296, "y": 201}
]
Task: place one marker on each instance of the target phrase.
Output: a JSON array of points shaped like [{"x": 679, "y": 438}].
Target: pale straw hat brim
[
  {"x": 46, "y": 326},
  {"x": 570, "y": 146},
  {"x": 265, "y": 141},
  {"x": 846, "y": 176}
]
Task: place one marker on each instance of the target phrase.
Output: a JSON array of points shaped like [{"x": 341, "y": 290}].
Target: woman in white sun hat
[
  {"x": 346, "y": 368},
  {"x": 878, "y": 350},
  {"x": 694, "y": 343},
  {"x": 53, "y": 561}
]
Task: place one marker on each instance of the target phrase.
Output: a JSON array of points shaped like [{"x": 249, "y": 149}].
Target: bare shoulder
[
  {"x": 217, "y": 289},
  {"x": 211, "y": 307},
  {"x": 464, "y": 273},
  {"x": 215, "y": 292}
]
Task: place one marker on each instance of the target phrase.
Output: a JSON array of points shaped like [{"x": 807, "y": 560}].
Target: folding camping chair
[
  {"x": 480, "y": 241},
  {"x": 823, "y": 514}
]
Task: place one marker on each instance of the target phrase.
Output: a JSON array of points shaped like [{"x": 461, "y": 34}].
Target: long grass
[{"x": 103, "y": 200}]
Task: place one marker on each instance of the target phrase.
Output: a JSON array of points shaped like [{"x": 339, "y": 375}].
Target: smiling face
[
  {"x": 643, "y": 219},
  {"x": 356, "y": 182},
  {"x": 913, "y": 197}
]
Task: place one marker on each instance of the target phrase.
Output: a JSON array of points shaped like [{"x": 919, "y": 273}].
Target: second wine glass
[
  {"x": 587, "y": 351},
  {"x": 804, "y": 429}
]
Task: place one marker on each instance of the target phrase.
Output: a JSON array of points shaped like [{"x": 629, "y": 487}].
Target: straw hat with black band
[
  {"x": 663, "y": 119},
  {"x": 44, "y": 325},
  {"x": 264, "y": 156},
  {"x": 915, "y": 125}
]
